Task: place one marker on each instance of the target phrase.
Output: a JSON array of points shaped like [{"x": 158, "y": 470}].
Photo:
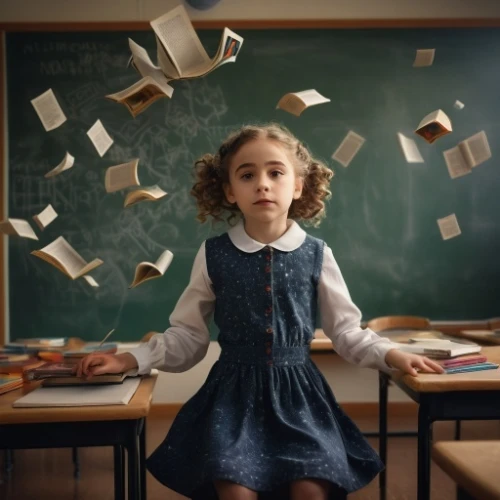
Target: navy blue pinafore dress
[{"x": 265, "y": 416}]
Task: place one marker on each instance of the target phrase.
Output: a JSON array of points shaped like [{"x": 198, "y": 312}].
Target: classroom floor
[{"x": 48, "y": 474}]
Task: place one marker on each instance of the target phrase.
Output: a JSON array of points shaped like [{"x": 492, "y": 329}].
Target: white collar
[{"x": 291, "y": 240}]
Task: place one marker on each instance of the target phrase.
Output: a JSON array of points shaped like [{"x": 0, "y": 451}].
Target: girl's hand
[
  {"x": 100, "y": 363},
  {"x": 409, "y": 363}
]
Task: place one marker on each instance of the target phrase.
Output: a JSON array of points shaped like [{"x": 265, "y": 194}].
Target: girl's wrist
[{"x": 128, "y": 361}]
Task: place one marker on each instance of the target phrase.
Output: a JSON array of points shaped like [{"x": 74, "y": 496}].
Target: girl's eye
[
  {"x": 246, "y": 176},
  {"x": 276, "y": 173}
]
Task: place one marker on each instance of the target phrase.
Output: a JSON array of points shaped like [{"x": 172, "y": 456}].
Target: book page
[
  {"x": 91, "y": 281},
  {"x": 164, "y": 260},
  {"x": 62, "y": 252},
  {"x": 478, "y": 149},
  {"x": 122, "y": 176},
  {"x": 152, "y": 193},
  {"x": 424, "y": 57},
  {"x": 178, "y": 37},
  {"x": 348, "y": 148},
  {"x": 66, "y": 163},
  {"x": 410, "y": 149},
  {"x": 100, "y": 138},
  {"x": 448, "y": 226},
  {"x": 459, "y": 105},
  {"x": 45, "y": 217},
  {"x": 48, "y": 110},
  {"x": 292, "y": 104},
  {"x": 17, "y": 227},
  {"x": 166, "y": 65},
  {"x": 146, "y": 68},
  {"x": 457, "y": 166}
]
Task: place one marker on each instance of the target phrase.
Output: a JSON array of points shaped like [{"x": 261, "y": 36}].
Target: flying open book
[
  {"x": 296, "y": 102},
  {"x": 45, "y": 217},
  {"x": 64, "y": 257},
  {"x": 66, "y": 163},
  {"x": 434, "y": 125},
  {"x": 147, "y": 270},
  {"x": 122, "y": 176},
  {"x": 180, "y": 52},
  {"x": 152, "y": 193},
  {"x": 141, "y": 95},
  {"x": 469, "y": 153},
  {"x": 17, "y": 227}
]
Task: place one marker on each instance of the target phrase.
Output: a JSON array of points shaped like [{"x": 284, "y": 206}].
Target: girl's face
[{"x": 263, "y": 181}]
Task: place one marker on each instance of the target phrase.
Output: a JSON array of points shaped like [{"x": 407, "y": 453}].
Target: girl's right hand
[{"x": 100, "y": 363}]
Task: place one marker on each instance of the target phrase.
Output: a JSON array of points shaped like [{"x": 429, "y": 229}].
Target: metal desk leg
[
  {"x": 383, "y": 384},
  {"x": 457, "y": 430},
  {"x": 9, "y": 462},
  {"x": 134, "y": 479},
  {"x": 76, "y": 463},
  {"x": 119, "y": 473},
  {"x": 142, "y": 460},
  {"x": 424, "y": 452}
]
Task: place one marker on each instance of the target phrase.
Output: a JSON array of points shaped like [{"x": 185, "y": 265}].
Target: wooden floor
[{"x": 48, "y": 474}]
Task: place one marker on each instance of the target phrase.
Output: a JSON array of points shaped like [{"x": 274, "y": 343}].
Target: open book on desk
[{"x": 86, "y": 395}]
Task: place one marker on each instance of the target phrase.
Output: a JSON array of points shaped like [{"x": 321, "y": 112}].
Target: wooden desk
[
  {"x": 120, "y": 426},
  {"x": 461, "y": 396},
  {"x": 321, "y": 343}
]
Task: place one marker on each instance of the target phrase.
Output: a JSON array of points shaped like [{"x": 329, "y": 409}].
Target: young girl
[{"x": 265, "y": 420}]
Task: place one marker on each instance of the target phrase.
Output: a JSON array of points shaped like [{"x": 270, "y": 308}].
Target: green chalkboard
[{"x": 381, "y": 220}]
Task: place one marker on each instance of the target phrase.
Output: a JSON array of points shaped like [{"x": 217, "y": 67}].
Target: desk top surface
[
  {"x": 138, "y": 407},
  {"x": 487, "y": 380}
]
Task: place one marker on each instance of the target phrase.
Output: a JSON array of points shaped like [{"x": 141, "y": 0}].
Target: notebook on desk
[{"x": 85, "y": 395}]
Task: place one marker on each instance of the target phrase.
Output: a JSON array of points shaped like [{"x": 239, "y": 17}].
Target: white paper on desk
[{"x": 84, "y": 395}]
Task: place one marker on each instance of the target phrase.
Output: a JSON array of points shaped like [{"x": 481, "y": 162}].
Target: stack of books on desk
[
  {"x": 455, "y": 357},
  {"x": 54, "y": 374},
  {"x": 10, "y": 383}
]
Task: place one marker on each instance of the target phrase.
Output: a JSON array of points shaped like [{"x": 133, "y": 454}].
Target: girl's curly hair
[{"x": 212, "y": 172}]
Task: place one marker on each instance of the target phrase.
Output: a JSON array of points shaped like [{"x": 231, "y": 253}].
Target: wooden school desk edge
[
  {"x": 138, "y": 407},
  {"x": 472, "y": 381}
]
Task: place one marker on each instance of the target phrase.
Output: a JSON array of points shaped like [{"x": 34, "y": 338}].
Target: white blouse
[{"x": 186, "y": 342}]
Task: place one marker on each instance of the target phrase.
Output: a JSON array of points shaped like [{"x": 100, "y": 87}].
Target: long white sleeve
[
  {"x": 340, "y": 320},
  {"x": 186, "y": 342}
]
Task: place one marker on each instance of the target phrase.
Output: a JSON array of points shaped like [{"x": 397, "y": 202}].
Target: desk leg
[
  {"x": 134, "y": 477},
  {"x": 424, "y": 452},
  {"x": 9, "y": 462},
  {"x": 383, "y": 384},
  {"x": 119, "y": 465},
  {"x": 142, "y": 460},
  {"x": 76, "y": 463}
]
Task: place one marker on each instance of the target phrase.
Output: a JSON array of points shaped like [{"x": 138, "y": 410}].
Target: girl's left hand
[{"x": 410, "y": 363}]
